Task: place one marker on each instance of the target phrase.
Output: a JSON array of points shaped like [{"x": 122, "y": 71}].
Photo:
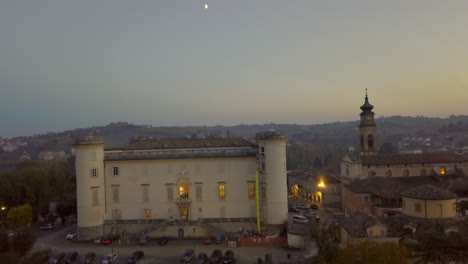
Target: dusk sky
[{"x": 68, "y": 64}]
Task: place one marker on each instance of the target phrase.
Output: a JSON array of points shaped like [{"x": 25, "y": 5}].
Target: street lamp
[{"x": 3, "y": 220}]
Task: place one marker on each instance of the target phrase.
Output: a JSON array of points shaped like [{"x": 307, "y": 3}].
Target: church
[
  {"x": 373, "y": 182},
  {"x": 139, "y": 187}
]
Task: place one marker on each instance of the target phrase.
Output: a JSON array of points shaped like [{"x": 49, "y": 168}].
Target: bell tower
[{"x": 367, "y": 129}]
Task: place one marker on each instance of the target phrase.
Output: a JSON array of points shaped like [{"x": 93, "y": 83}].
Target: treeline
[
  {"x": 38, "y": 185},
  {"x": 306, "y": 155}
]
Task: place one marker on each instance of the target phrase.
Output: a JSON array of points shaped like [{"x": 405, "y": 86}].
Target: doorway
[
  {"x": 184, "y": 213},
  {"x": 180, "y": 233}
]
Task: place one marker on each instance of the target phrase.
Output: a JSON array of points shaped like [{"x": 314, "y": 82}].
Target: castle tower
[
  {"x": 367, "y": 129},
  {"x": 90, "y": 188},
  {"x": 272, "y": 163}
]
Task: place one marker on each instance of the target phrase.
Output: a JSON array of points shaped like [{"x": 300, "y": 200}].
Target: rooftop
[
  {"x": 357, "y": 224},
  {"x": 418, "y": 158},
  {"x": 428, "y": 192}
]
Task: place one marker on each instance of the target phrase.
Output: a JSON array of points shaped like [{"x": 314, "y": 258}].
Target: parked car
[
  {"x": 293, "y": 209},
  {"x": 300, "y": 219},
  {"x": 202, "y": 258},
  {"x": 106, "y": 241},
  {"x": 109, "y": 259},
  {"x": 163, "y": 241},
  {"x": 219, "y": 239},
  {"x": 302, "y": 207},
  {"x": 70, "y": 257},
  {"x": 56, "y": 258},
  {"x": 71, "y": 235},
  {"x": 47, "y": 227},
  {"x": 314, "y": 207},
  {"x": 188, "y": 256},
  {"x": 88, "y": 258},
  {"x": 309, "y": 213},
  {"x": 216, "y": 256},
  {"x": 208, "y": 240},
  {"x": 228, "y": 257},
  {"x": 135, "y": 257},
  {"x": 144, "y": 240},
  {"x": 97, "y": 240}
]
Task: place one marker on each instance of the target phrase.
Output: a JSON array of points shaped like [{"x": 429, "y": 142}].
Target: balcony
[{"x": 184, "y": 200}]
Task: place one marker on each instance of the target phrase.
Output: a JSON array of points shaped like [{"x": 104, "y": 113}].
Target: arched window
[
  {"x": 347, "y": 170},
  {"x": 362, "y": 141},
  {"x": 370, "y": 141},
  {"x": 406, "y": 172},
  {"x": 423, "y": 172},
  {"x": 389, "y": 173}
]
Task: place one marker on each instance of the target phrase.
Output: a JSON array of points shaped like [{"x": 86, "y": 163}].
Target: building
[
  {"x": 374, "y": 182},
  {"x": 135, "y": 188}
]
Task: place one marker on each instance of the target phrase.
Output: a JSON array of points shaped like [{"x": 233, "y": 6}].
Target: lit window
[
  {"x": 183, "y": 190},
  {"x": 147, "y": 214},
  {"x": 117, "y": 214},
  {"x": 222, "y": 191},
  {"x": 442, "y": 171},
  {"x": 94, "y": 172},
  {"x": 116, "y": 171},
  {"x": 251, "y": 190}
]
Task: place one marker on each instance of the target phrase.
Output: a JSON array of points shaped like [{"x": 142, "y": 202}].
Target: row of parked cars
[
  {"x": 216, "y": 257},
  {"x": 89, "y": 258}
]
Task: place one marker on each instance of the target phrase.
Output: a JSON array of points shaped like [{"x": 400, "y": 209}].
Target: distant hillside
[{"x": 335, "y": 136}]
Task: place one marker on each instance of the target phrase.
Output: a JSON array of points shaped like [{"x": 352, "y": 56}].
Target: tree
[
  {"x": 371, "y": 252},
  {"x": 20, "y": 216},
  {"x": 327, "y": 242}
]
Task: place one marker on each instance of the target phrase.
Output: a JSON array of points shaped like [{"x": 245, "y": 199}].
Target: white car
[
  {"x": 309, "y": 213},
  {"x": 71, "y": 235},
  {"x": 300, "y": 219},
  {"x": 110, "y": 259}
]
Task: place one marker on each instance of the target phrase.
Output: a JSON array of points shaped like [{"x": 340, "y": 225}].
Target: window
[
  {"x": 222, "y": 212},
  {"x": 170, "y": 193},
  {"x": 442, "y": 171},
  {"x": 252, "y": 212},
  {"x": 389, "y": 173},
  {"x": 198, "y": 192},
  {"x": 404, "y": 204},
  {"x": 147, "y": 213},
  {"x": 406, "y": 172},
  {"x": 332, "y": 189},
  {"x": 115, "y": 194},
  {"x": 222, "y": 191},
  {"x": 183, "y": 190},
  {"x": 220, "y": 168},
  {"x": 370, "y": 141},
  {"x": 145, "y": 170},
  {"x": 262, "y": 150},
  {"x": 371, "y": 233},
  {"x": 117, "y": 214},
  {"x": 417, "y": 207},
  {"x": 94, "y": 172},
  {"x": 93, "y": 156},
  {"x": 365, "y": 198},
  {"x": 382, "y": 232},
  {"x": 251, "y": 190},
  {"x": 116, "y": 171},
  {"x": 423, "y": 172},
  {"x": 145, "y": 192},
  {"x": 95, "y": 197},
  {"x": 362, "y": 141}
]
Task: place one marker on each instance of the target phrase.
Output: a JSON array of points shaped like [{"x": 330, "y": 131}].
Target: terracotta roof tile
[
  {"x": 428, "y": 192},
  {"x": 419, "y": 158},
  {"x": 180, "y": 143}
]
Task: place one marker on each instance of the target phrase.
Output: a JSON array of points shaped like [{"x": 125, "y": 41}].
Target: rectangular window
[
  {"x": 117, "y": 214},
  {"x": 93, "y": 156},
  {"x": 170, "y": 193},
  {"x": 442, "y": 171},
  {"x": 116, "y": 171},
  {"x": 145, "y": 170},
  {"x": 262, "y": 150},
  {"x": 147, "y": 213},
  {"x": 404, "y": 204},
  {"x": 95, "y": 195},
  {"x": 115, "y": 194},
  {"x": 222, "y": 212},
  {"x": 145, "y": 193},
  {"x": 365, "y": 198},
  {"x": 417, "y": 207},
  {"x": 220, "y": 168},
  {"x": 94, "y": 172},
  {"x": 222, "y": 191},
  {"x": 198, "y": 192},
  {"x": 251, "y": 187}
]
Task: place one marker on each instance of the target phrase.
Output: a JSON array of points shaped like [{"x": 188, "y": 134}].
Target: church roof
[
  {"x": 428, "y": 192},
  {"x": 367, "y": 106},
  {"x": 392, "y": 187},
  {"x": 149, "y": 143},
  {"x": 418, "y": 158}
]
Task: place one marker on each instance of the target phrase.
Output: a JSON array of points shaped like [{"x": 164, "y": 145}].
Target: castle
[{"x": 135, "y": 188}]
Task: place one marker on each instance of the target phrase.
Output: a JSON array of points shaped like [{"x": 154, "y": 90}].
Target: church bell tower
[{"x": 367, "y": 129}]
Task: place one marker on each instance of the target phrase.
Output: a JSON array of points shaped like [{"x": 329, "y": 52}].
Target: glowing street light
[{"x": 321, "y": 184}]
